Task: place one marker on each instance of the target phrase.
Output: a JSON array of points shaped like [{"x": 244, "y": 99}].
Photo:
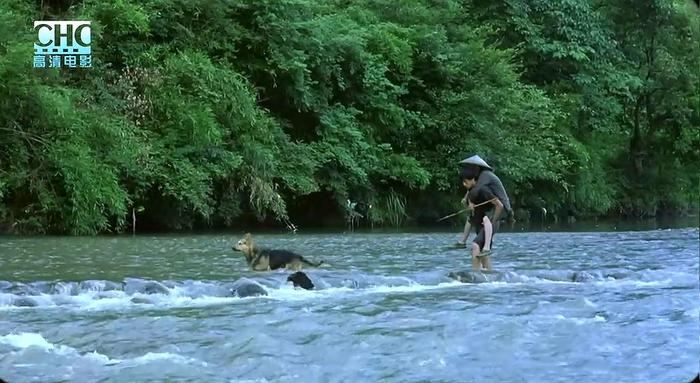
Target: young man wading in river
[{"x": 485, "y": 192}]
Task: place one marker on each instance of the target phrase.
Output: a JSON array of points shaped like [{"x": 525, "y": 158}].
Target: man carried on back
[{"x": 486, "y": 192}]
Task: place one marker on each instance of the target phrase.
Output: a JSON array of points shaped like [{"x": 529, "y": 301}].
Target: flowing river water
[{"x": 596, "y": 306}]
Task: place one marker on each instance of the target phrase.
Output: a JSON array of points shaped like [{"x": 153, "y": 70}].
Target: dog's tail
[{"x": 309, "y": 263}]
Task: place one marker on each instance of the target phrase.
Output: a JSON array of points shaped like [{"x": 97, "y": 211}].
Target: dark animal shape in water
[
  {"x": 245, "y": 287},
  {"x": 25, "y": 302},
  {"x": 300, "y": 279}
]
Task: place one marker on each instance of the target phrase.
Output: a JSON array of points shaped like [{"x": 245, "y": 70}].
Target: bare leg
[
  {"x": 488, "y": 233},
  {"x": 465, "y": 235},
  {"x": 486, "y": 262},
  {"x": 476, "y": 264}
]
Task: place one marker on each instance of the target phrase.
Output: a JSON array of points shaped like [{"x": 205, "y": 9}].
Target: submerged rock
[
  {"x": 245, "y": 287},
  {"x": 23, "y": 289},
  {"x": 5, "y": 285},
  {"x": 141, "y": 300},
  {"x": 471, "y": 276},
  {"x": 617, "y": 275},
  {"x": 93, "y": 285},
  {"x": 350, "y": 283},
  {"x": 25, "y": 302},
  {"x": 154, "y": 288},
  {"x": 582, "y": 276},
  {"x": 65, "y": 288},
  {"x": 468, "y": 276},
  {"x": 145, "y": 287}
]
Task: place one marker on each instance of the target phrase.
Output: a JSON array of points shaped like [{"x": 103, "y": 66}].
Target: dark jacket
[{"x": 489, "y": 181}]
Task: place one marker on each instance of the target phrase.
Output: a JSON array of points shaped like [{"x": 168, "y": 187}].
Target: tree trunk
[{"x": 637, "y": 143}]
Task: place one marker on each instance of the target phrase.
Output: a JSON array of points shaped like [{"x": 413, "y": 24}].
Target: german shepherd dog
[{"x": 260, "y": 259}]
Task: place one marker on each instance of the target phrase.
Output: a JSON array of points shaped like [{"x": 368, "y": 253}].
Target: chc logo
[{"x": 62, "y": 44}]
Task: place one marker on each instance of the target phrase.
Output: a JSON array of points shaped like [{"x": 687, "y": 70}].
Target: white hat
[{"x": 475, "y": 160}]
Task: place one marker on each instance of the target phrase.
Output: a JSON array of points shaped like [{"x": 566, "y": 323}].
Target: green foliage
[
  {"x": 390, "y": 209},
  {"x": 211, "y": 112}
]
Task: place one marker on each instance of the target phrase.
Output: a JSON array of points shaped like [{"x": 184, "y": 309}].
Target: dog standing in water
[{"x": 260, "y": 259}]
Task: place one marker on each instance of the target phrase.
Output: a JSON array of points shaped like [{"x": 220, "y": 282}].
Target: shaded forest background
[{"x": 206, "y": 113}]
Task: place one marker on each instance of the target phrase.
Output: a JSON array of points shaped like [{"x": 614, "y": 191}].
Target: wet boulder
[
  {"x": 93, "y": 285},
  {"x": 617, "y": 275},
  {"x": 5, "y": 285},
  {"x": 65, "y": 288},
  {"x": 24, "y": 302},
  {"x": 145, "y": 287},
  {"x": 23, "y": 289},
  {"x": 141, "y": 300},
  {"x": 468, "y": 276},
  {"x": 582, "y": 276},
  {"x": 154, "y": 288},
  {"x": 245, "y": 287}
]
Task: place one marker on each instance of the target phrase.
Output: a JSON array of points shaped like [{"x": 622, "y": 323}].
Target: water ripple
[{"x": 562, "y": 306}]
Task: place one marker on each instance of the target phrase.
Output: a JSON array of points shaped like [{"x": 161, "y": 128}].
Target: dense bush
[{"x": 201, "y": 113}]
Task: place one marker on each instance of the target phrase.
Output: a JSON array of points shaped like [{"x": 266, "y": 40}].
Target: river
[{"x": 618, "y": 306}]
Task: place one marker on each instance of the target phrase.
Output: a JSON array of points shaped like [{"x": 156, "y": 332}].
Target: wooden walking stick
[{"x": 463, "y": 210}]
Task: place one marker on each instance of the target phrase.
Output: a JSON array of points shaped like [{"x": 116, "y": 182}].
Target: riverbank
[{"x": 455, "y": 225}]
